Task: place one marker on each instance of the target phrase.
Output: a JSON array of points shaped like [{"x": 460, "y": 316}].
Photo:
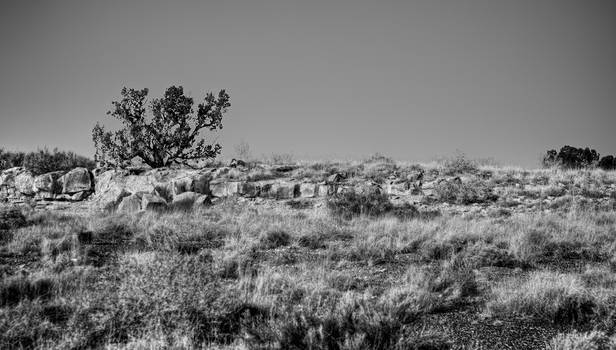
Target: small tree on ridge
[{"x": 170, "y": 133}]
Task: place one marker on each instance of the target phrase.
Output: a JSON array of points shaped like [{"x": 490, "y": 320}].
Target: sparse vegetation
[
  {"x": 487, "y": 254},
  {"x": 44, "y": 161}
]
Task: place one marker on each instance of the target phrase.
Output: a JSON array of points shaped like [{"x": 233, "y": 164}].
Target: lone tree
[{"x": 169, "y": 134}]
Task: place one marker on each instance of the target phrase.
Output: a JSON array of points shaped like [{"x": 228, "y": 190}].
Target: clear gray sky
[{"x": 323, "y": 78}]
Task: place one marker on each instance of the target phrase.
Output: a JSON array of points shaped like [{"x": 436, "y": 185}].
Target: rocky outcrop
[
  {"x": 20, "y": 185},
  {"x": 77, "y": 180}
]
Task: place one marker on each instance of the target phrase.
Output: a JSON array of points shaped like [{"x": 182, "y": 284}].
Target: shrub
[
  {"x": 465, "y": 193},
  {"x": 11, "y": 218},
  {"x": 458, "y": 164},
  {"x": 43, "y": 161},
  {"x": 351, "y": 204},
  {"x": 10, "y": 159},
  {"x": 274, "y": 239},
  {"x": 607, "y": 163},
  {"x": 555, "y": 297},
  {"x": 571, "y": 157},
  {"x": 594, "y": 340},
  {"x": 17, "y": 288}
]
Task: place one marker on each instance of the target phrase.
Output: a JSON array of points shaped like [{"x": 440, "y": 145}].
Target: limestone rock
[
  {"x": 335, "y": 178},
  {"x": 283, "y": 190},
  {"x": 181, "y": 185},
  {"x": 7, "y": 177},
  {"x": 218, "y": 189},
  {"x": 48, "y": 183},
  {"x": 153, "y": 202},
  {"x": 201, "y": 183},
  {"x": 77, "y": 180},
  {"x": 111, "y": 198},
  {"x": 130, "y": 204},
  {"x": 307, "y": 190},
  {"x": 249, "y": 189},
  {"x": 79, "y": 196},
  {"x": 184, "y": 200},
  {"x": 202, "y": 201},
  {"x": 24, "y": 183},
  {"x": 323, "y": 190}
]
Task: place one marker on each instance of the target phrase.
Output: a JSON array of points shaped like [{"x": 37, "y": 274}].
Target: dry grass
[{"x": 277, "y": 276}]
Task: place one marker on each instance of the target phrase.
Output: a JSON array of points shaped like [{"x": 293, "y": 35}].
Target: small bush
[
  {"x": 348, "y": 205},
  {"x": 17, "y": 288},
  {"x": 458, "y": 164},
  {"x": 274, "y": 239},
  {"x": 11, "y": 218},
  {"x": 559, "y": 298},
  {"x": 458, "y": 192},
  {"x": 594, "y": 340},
  {"x": 312, "y": 241}
]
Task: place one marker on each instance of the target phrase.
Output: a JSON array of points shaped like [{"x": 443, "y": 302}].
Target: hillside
[{"x": 332, "y": 255}]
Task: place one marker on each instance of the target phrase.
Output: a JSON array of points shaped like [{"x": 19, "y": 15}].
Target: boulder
[
  {"x": 202, "y": 201},
  {"x": 130, "y": 204},
  {"x": 79, "y": 196},
  {"x": 112, "y": 197},
  {"x": 323, "y": 190},
  {"x": 48, "y": 183},
  {"x": 307, "y": 190},
  {"x": 218, "y": 189},
  {"x": 181, "y": 185},
  {"x": 249, "y": 189},
  {"x": 77, "y": 180},
  {"x": 233, "y": 188},
  {"x": 7, "y": 177},
  {"x": 24, "y": 183},
  {"x": 153, "y": 202},
  {"x": 184, "y": 200},
  {"x": 201, "y": 183},
  {"x": 335, "y": 178},
  {"x": 283, "y": 190}
]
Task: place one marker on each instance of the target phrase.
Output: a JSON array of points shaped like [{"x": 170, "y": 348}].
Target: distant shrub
[
  {"x": 607, "y": 163},
  {"x": 281, "y": 158},
  {"x": 458, "y": 164},
  {"x": 378, "y": 168},
  {"x": 10, "y": 159},
  {"x": 459, "y": 192},
  {"x": 351, "y": 204},
  {"x": 571, "y": 158},
  {"x": 43, "y": 161}
]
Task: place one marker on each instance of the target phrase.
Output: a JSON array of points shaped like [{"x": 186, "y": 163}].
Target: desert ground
[{"x": 446, "y": 255}]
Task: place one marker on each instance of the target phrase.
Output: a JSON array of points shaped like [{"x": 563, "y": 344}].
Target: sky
[{"x": 322, "y": 79}]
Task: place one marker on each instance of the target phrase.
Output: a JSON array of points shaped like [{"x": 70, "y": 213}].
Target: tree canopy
[{"x": 162, "y": 132}]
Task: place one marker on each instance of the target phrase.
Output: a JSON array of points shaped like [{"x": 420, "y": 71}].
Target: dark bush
[
  {"x": 350, "y": 204},
  {"x": 10, "y": 159},
  {"x": 18, "y": 288},
  {"x": 607, "y": 163},
  {"x": 43, "y": 161},
  {"x": 571, "y": 158},
  {"x": 274, "y": 239}
]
